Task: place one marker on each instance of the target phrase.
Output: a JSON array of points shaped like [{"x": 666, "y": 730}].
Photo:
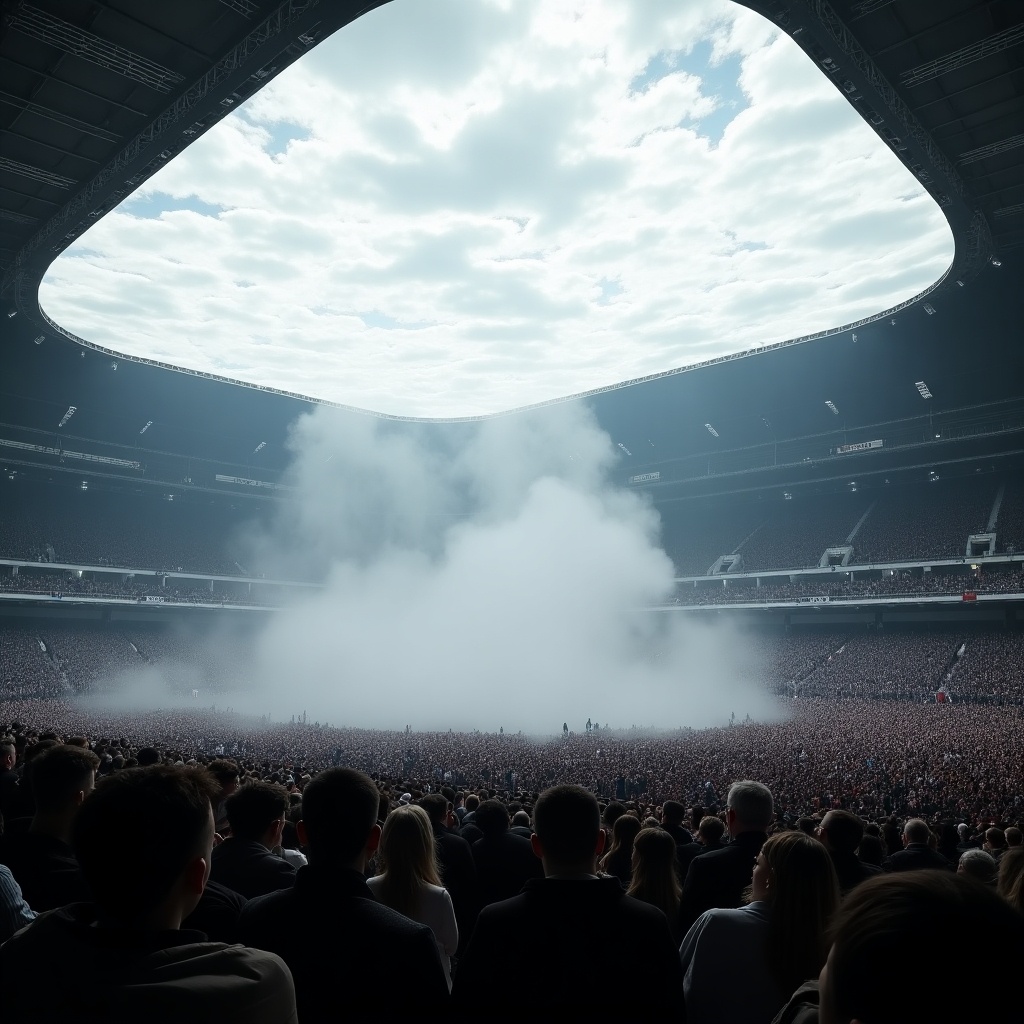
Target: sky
[{"x": 459, "y": 207}]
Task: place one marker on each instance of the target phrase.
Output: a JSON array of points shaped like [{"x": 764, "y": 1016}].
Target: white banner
[
  {"x": 863, "y": 446},
  {"x": 644, "y": 478},
  {"x": 155, "y": 600},
  {"x": 814, "y": 600}
]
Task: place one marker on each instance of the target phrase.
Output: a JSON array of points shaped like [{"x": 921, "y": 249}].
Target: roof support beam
[
  {"x": 71, "y": 39},
  {"x": 48, "y": 114},
  {"x": 35, "y": 173},
  {"x": 992, "y": 149},
  {"x": 933, "y": 69}
]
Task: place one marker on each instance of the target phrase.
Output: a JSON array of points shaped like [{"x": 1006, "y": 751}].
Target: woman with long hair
[
  {"x": 618, "y": 861},
  {"x": 1011, "y": 878},
  {"x": 742, "y": 965},
  {"x": 409, "y": 880},
  {"x": 655, "y": 878}
]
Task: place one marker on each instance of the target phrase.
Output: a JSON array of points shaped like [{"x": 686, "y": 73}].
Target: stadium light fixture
[
  {"x": 832, "y": 407},
  {"x": 259, "y": 447},
  {"x": 960, "y": 283},
  {"x": 711, "y": 430},
  {"x": 994, "y": 260},
  {"x": 11, "y": 314},
  {"x": 787, "y": 496},
  {"x": 84, "y": 485},
  {"x": 71, "y": 412},
  {"x": 929, "y": 309},
  {"x": 624, "y": 448},
  {"x": 146, "y": 426},
  {"x": 922, "y": 389},
  {"x": 39, "y": 339}
]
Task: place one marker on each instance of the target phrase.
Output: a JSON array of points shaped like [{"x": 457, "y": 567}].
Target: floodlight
[
  {"x": 832, "y": 407},
  {"x": 929, "y": 309},
  {"x": 922, "y": 389},
  {"x": 39, "y": 339},
  {"x": 711, "y": 430},
  {"x": 146, "y": 426},
  {"x": 11, "y": 314},
  {"x": 787, "y": 495},
  {"x": 259, "y": 447},
  {"x": 995, "y": 261}
]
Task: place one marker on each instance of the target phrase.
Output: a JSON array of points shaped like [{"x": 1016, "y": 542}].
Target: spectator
[
  {"x": 409, "y": 881},
  {"x": 15, "y": 913},
  {"x": 718, "y": 878},
  {"x": 978, "y": 865},
  {"x": 841, "y": 832},
  {"x": 916, "y": 854},
  {"x": 1011, "y": 878},
  {"x": 244, "y": 862},
  {"x": 144, "y": 841},
  {"x": 455, "y": 860},
  {"x": 888, "y": 931},
  {"x": 618, "y": 861},
  {"x": 564, "y": 930},
  {"x": 504, "y": 862},
  {"x": 654, "y": 877},
  {"x": 995, "y": 842},
  {"x": 41, "y": 859},
  {"x": 740, "y": 965},
  {"x": 709, "y": 837},
  {"x": 337, "y": 939}
]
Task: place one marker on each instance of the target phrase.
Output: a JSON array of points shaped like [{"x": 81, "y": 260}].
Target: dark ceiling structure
[{"x": 96, "y": 95}]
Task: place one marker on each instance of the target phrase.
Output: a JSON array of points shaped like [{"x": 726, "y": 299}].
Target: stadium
[{"x": 799, "y": 562}]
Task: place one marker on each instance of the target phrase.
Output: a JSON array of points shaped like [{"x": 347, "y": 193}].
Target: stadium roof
[{"x": 97, "y": 96}]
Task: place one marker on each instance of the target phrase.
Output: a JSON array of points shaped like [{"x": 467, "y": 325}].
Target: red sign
[{"x": 970, "y": 595}]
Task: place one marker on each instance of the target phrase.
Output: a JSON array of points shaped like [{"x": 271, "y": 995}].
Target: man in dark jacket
[
  {"x": 718, "y": 879},
  {"x": 244, "y": 862},
  {"x": 341, "y": 945},
  {"x": 565, "y": 931},
  {"x": 143, "y": 841},
  {"x": 504, "y": 862},
  {"x": 841, "y": 832},
  {"x": 916, "y": 852}
]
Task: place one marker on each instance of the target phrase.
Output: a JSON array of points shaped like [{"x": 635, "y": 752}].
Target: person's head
[
  {"x": 916, "y": 831},
  {"x": 612, "y": 813},
  {"x": 339, "y": 817},
  {"x": 407, "y": 857},
  {"x": 887, "y": 932},
  {"x": 227, "y": 775},
  {"x": 256, "y": 812},
  {"x": 143, "y": 841},
  {"x": 749, "y": 807},
  {"x": 491, "y": 818},
  {"x": 710, "y": 830},
  {"x": 655, "y": 877},
  {"x": 8, "y": 754},
  {"x": 624, "y": 832},
  {"x": 871, "y": 850},
  {"x": 795, "y": 876},
  {"x": 841, "y": 831},
  {"x": 437, "y": 808},
  {"x": 567, "y": 830},
  {"x": 995, "y": 839},
  {"x": 147, "y": 756},
  {"x": 1011, "y": 878},
  {"x": 521, "y": 819},
  {"x": 472, "y": 803},
  {"x": 673, "y": 812},
  {"x": 978, "y": 864},
  {"x": 1014, "y": 836},
  {"x": 61, "y": 778}
]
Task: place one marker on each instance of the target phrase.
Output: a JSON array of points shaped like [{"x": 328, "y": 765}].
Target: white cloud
[{"x": 453, "y": 208}]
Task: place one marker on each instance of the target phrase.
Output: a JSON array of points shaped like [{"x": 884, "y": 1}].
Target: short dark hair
[
  {"x": 147, "y": 756},
  {"x": 567, "y": 821},
  {"x": 224, "y": 771},
  {"x": 491, "y": 817},
  {"x": 59, "y": 773},
  {"x": 339, "y": 810},
  {"x": 138, "y": 830},
  {"x": 436, "y": 806},
  {"x": 845, "y": 831},
  {"x": 673, "y": 812},
  {"x": 711, "y": 829},
  {"x": 252, "y": 808},
  {"x": 887, "y": 931}
]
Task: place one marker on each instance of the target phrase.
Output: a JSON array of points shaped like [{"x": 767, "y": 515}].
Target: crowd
[
  {"x": 840, "y": 587},
  {"x": 905, "y": 523},
  {"x": 94, "y": 527}
]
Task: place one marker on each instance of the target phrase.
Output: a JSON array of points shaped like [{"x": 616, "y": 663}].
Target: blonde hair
[{"x": 407, "y": 858}]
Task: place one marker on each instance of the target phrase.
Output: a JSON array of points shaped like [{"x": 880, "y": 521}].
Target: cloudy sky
[{"x": 465, "y": 206}]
